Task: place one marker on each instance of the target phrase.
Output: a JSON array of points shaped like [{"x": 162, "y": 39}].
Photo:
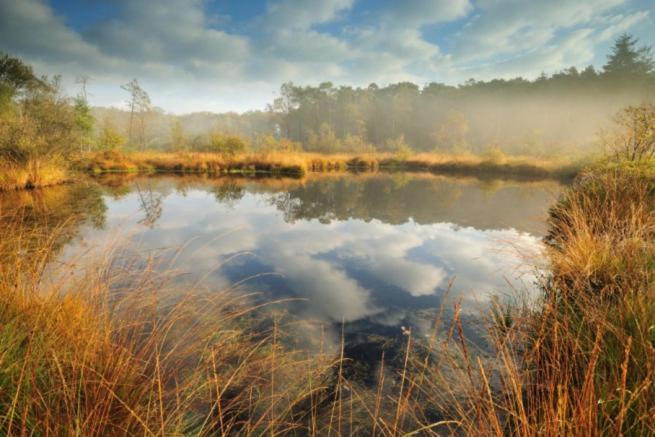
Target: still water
[{"x": 363, "y": 253}]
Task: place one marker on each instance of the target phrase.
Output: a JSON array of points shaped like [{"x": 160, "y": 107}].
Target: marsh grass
[
  {"x": 299, "y": 163},
  {"x": 103, "y": 352},
  {"x": 33, "y": 175},
  {"x": 112, "y": 352},
  {"x": 292, "y": 164},
  {"x": 113, "y": 344},
  {"x": 582, "y": 362}
]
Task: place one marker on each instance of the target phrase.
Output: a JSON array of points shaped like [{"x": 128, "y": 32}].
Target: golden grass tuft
[
  {"x": 14, "y": 177},
  {"x": 96, "y": 351}
]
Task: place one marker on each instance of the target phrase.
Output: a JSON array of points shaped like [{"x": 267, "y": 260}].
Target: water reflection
[
  {"x": 352, "y": 247},
  {"x": 374, "y": 251},
  {"x": 55, "y": 215}
]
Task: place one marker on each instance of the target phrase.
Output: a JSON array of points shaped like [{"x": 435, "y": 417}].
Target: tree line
[
  {"x": 39, "y": 126},
  {"x": 538, "y": 116},
  {"x": 560, "y": 113}
]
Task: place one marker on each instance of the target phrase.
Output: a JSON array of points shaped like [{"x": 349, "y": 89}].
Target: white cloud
[
  {"x": 31, "y": 29},
  {"x": 417, "y": 13},
  {"x": 514, "y": 37},
  {"x": 190, "y": 60},
  {"x": 173, "y": 32},
  {"x": 302, "y": 14},
  {"x": 622, "y": 23}
]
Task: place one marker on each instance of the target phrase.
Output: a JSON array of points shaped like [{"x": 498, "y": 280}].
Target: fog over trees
[{"x": 553, "y": 114}]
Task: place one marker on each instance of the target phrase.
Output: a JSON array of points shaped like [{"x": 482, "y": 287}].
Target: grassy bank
[
  {"x": 598, "y": 355},
  {"x": 53, "y": 172},
  {"x": 582, "y": 362},
  {"x": 15, "y": 177},
  {"x": 299, "y": 164}
]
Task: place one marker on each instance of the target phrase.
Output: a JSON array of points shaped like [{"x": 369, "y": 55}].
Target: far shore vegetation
[
  {"x": 299, "y": 164},
  {"x": 547, "y": 127},
  {"x": 97, "y": 352}
]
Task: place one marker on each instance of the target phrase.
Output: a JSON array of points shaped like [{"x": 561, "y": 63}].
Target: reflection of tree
[
  {"x": 150, "y": 203},
  {"x": 288, "y": 205},
  {"x": 390, "y": 198},
  {"x": 55, "y": 206},
  {"x": 116, "y": 185},
  {"x": 229, "y": 192},
  {"x": 27, "y": 217},
  {"x": 397, "y": 199}
]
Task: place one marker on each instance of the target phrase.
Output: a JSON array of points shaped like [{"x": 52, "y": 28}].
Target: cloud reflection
[{"x": 347, "y": 270}]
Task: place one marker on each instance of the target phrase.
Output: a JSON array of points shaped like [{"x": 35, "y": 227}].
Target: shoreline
[
  {"x": 300, "y": 164},
  {"x": 294, "y": 165}
]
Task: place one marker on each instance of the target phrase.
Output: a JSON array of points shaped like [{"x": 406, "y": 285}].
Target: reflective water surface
[{"x": 375, "y": 251}]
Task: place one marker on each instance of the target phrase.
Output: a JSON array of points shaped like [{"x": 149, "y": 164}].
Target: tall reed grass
[
  {"x": 116, "y": 348},
  {"x": 114, "y": 345},
  {"x": 582, "y": 362},
  {"x": 106, "y": 351}
]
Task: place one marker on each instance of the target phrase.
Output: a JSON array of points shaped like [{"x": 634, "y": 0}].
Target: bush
[
  {"x": 400, "y": 148},
  {"x": 270, "y": 144},
  {"x": 357, "y": 144},
  {"x": 495, "y": 155},
  {"x": 110, "y": 138},
  {"x": 634, "y": 139},
  {"x": 45, "y": 129},
  {"x": 227, "y": 145},
  {"x": 42, "y": 138}
]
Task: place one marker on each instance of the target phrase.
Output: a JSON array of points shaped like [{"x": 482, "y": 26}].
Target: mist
[{"x": 561, "y": 114}]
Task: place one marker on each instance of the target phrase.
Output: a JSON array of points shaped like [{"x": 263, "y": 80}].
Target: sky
[{"x": 233, "y": 55}]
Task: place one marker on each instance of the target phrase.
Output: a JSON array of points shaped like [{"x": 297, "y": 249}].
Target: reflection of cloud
[
  {"x": 293, "y": 251},
  {"x": 484, "y": 262},
  {"x": 320, "y": 262},
  {"x": 330, "y": 291},
  {"x": 382, "y": 250}
]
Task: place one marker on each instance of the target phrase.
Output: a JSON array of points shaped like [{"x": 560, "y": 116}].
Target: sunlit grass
[
  {"x": 13, "y": 177},
  {"x": 115, "y": 348},
  {"x": 300, "y": 163},
  {"x": 104, "y": 351},
  {"x": 295, "y": 164},
  {"x": 582, "y": 363}
]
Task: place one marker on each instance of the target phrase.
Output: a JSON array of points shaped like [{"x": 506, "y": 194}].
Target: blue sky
[{"x": 219, "y": 55}]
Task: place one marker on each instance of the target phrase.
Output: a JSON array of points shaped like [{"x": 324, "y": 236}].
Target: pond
[{"x": 366, "y": 254}]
